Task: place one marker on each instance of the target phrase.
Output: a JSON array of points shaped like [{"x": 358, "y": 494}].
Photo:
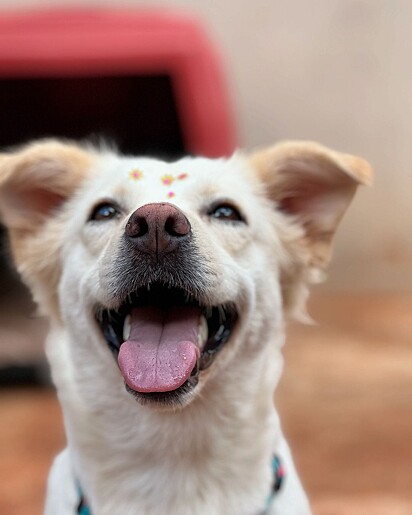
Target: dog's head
[{"x": 174, "y": 268}]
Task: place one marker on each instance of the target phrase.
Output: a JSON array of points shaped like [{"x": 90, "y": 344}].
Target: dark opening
[{"x": 137, "y": 113}]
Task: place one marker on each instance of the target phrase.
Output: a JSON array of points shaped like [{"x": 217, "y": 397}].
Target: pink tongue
[{"x": 161, "y": 350}]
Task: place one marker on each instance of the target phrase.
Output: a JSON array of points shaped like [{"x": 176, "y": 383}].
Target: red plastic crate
[{"x": 92, "y": 43}]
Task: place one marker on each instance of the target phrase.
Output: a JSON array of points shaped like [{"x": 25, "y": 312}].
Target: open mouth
[{"x": 163, "y": 338}]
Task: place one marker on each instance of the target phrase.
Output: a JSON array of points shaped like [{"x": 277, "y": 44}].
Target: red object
[{"x": 73, "y": 43}]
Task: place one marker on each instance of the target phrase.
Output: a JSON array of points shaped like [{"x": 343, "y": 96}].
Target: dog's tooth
[
  {"x": 203, "y": 331},
  {"x": 126, "y": 328}
]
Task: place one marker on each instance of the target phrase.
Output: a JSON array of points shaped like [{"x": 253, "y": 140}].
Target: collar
[
  {"x": 83, "y": 506},
  {"x": 278, "y": 470},
  {"x": 278, "y": 477}
]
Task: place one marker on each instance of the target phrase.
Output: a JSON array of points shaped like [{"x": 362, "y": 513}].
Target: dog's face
[
  {"x": 165, "y": 275},
  {"x": 167, "y": 283}
]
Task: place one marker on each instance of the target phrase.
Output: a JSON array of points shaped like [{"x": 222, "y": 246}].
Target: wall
[{"x": 336, "y": 71}]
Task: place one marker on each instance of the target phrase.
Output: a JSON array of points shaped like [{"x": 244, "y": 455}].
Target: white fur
[
  {"x": 214, "y": 455},
  {"x": 211, "y": 456}
]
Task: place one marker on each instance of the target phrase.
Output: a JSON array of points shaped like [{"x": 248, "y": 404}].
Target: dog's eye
[
  {"x": 104, "y": 211},
  {"x": 226, "y": 212}
]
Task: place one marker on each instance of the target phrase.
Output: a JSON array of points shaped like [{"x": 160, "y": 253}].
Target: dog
[{"x": 167, "y": 287}]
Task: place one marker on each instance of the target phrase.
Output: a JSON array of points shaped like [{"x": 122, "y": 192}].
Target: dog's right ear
[
  {"x": 36, "y": 179},
  {"x": 313, "y": 186}
]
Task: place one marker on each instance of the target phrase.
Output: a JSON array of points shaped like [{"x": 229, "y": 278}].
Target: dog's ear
[
  {"x": 313, "y": 184},
  {"x": 34, "y": 182},
  {"x": 36, "y": 179}
]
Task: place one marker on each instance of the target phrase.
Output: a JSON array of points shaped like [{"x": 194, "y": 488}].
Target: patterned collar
[
  {"x": 278, "y": 477},
  {"x": 278, "y": 470}
]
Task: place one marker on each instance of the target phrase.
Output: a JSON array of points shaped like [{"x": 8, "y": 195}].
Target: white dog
[{"x": 167, "y": 286}]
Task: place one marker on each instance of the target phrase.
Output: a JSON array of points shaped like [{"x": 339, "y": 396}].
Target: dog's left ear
[
  {"x": 37, "y": 179},
  {"x": 314, "y": 185}
]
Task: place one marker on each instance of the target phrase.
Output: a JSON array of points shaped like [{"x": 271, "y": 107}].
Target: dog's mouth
[{"x": 163, "y": 338}]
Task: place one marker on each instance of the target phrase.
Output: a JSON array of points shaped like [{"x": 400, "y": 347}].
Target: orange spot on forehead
[
  {"x": 136, "y": 174},
  {"x": 167, "y": 179}
]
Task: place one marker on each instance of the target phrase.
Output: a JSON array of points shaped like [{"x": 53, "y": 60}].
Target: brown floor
[{"x": 345, "y": 399}]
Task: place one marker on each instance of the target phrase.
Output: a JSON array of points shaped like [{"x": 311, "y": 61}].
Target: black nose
[{"x": 157, "y": 229}]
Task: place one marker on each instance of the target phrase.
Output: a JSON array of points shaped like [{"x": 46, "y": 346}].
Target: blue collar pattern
[
  {"x": 82, "y": 508},
  {"x": 278, "y": 477}
]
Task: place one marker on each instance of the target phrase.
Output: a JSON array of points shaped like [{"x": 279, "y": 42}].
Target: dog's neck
[{"x": 142, "y": 458}]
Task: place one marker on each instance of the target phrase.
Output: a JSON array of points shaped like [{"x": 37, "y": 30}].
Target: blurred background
[{"x": 334, "y": 71}]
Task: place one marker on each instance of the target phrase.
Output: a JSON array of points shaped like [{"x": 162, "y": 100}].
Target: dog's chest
[
  {"x": 211, "y": 487},
  {"x": 201, "y": 504}
]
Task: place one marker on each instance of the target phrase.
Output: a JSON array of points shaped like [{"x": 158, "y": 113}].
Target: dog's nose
[{"x": 157, "y": 228}]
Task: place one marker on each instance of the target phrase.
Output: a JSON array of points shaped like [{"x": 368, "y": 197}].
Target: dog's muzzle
[{"x": 163, "y": 334}]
